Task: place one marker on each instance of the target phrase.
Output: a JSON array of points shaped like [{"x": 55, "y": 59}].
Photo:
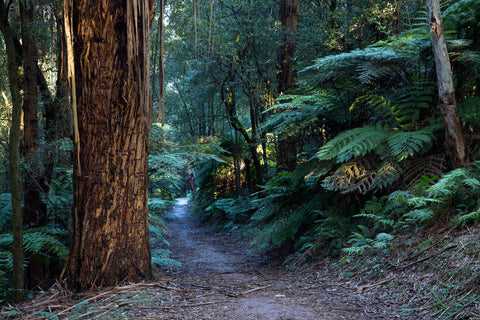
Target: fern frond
[
  {"x": 352, "y": 143},
  {"x": 406, "y": 144},
  {"x": 301, "y": 112},
  {"x": 341, "y": 66},
  {"x": 161, "y": 258},
  {"x": 382, "y": 240},
  {"x": 446, "y": 186},
  {"x": 373, "y": 107},
  {"x": 472, "y": 217},
  {"x": 386, "y": 175},
  {"x": 430, "y": 166},
  {"x": 469, "y": 112},
  {"x": 419, "y": 215}
]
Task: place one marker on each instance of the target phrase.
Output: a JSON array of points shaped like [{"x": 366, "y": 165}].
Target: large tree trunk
[
  {"x": 14, "y": 64},
  {"x": 287, "y": 77},
  {"x": 454, "y": 144},
  {"x": 111, "y": 80}
]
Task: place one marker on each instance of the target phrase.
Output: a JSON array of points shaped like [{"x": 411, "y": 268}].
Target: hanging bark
[
  {"x": 14, "y": 65},
  {"x": 111, "y": 78},
  {"x": 454, "y": 143},
  {"x": 287, "y": 76}
]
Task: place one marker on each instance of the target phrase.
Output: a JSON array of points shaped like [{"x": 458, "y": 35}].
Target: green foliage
[
  {"x": 352, "y": 144},
  {"x": 354, "y": 149},
  {"x": 303, "y": 111},
  {"x": 290, "y": 211},
  {"x": 408, "y": 144},
  {"x": 5, "y": 211},
  {"x": 161, "y": 258},
  {"x": 372, "y": 64},
  {"x": 46, "y": 242},
  {"x": 157, "y": 208},
  {"x": 230, "y": 213}
]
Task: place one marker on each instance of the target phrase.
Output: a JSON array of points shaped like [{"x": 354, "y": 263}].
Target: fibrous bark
[{"x": 113, "y": 110}]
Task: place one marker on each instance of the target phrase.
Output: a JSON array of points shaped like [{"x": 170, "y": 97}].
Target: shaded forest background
[{"x": 340, "y": 160}]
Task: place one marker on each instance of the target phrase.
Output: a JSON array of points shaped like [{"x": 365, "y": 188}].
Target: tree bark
[
  {"x": 113, "y": 106},
  {"x": 161, "y": 68},
  {"x": 34, "y": 210},
  {"x": 287, "y": 77},
  {"x": 454, "y": 143},
  {"x": 14, "y": 65}
]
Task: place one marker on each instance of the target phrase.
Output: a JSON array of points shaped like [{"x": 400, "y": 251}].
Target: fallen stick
[
  {"x": 255, "y": 289},
  {"x": 179, "y": 306},
  {"x": 373, "y": 286}
]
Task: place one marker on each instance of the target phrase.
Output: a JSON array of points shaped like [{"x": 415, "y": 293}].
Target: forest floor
[{"x": 221, "y": 278}]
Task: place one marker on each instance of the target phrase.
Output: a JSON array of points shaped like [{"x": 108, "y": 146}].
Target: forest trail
[{"x": 222, "y": 280}]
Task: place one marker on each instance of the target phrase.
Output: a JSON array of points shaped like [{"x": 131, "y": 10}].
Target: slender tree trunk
[
  {"x": 287, "y": 76},
  {"x": 161, "y": 68},
  {"x": 454, "y": 143},
  {"x": 14, "y": 65},
  {"x": 111, "y": 81},
  {"x": 34, "y": 210},
  {"x": 228, "y": 97}
]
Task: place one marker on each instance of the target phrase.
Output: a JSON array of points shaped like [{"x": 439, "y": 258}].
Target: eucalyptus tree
[{"x": 109, "y": 75}]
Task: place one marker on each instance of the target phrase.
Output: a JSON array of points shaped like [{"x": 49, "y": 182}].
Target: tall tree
[
  {"x": 14, "y": 65},
  {"x": 34, "y": 210},
  {"x": 112, "y": 109},
  {"x": 287, "y": 77},
  {"x": 454, "y": 143}
]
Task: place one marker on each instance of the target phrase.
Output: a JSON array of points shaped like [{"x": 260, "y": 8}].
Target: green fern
[
  {"x": 419, "y": 216},
  {"x": 352, "y": 143},
  {"x": 469, "y": 218},
  {"x": 303, "y": 111},
  {"x": 337, "y": 68},
  {"x": 374, "y": 211},
  {"x": 407, "y": 144},
  {"x": 161, "y": 258}
]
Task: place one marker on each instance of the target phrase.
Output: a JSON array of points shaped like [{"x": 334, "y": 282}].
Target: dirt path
[{"x": 222, "y": 280}]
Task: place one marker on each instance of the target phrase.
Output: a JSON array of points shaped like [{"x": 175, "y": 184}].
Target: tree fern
[
  {"x": 352, "y": 143},
  {"x": 302, "y": 111},
  {"x": 407, "y": 144},
  {"x": 339, "y": 67}
]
